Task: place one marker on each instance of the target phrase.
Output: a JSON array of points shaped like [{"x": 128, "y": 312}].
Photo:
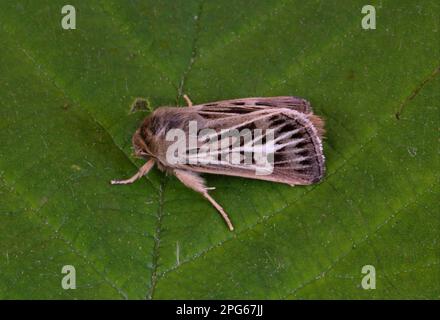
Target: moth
[{"x": 289, "y": 133}]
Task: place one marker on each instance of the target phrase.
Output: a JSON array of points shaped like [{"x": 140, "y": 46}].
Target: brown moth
[{"x": 287, "y": 128}]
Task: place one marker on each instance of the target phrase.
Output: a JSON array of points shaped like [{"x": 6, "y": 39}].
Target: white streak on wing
[
  {"x": 293, "y": 142},
  {"x": 296, "y": 151},
  {"x": 299, "y": 159},
  {"x": 290, "y": 151},
  {"x": 268, "y": 148},
  {"x": 290, "y": 168},
  {"x": 227, "y": 164},
  {"x": 295, "y": 160},
  {"x": 285, "y": 135}
]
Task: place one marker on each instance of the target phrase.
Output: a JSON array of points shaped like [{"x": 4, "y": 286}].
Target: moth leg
[
  {"x": 188, "y": 100},
  {"x": 197, "y": 183},
  {"x": 142, "y": 171}
]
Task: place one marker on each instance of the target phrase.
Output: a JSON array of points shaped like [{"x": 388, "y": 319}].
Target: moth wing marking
[
  {"x": 228, "y": 108},
  {"x": 297, "y": 147}
]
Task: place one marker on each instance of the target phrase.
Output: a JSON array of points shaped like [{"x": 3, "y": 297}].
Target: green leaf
[{"x": 66, "y": 126}]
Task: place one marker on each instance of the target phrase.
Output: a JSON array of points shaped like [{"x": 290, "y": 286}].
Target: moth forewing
[
  {"x": 276, "y": 139},
  {"x": 296, "y": 145}
]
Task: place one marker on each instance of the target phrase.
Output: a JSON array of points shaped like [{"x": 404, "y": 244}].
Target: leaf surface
[{"x": 66, "y": 126}]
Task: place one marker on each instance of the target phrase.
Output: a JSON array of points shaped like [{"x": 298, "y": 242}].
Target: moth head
[
  {"x": 148, "y": 140},
  {"x": 139, "y": 145}
]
